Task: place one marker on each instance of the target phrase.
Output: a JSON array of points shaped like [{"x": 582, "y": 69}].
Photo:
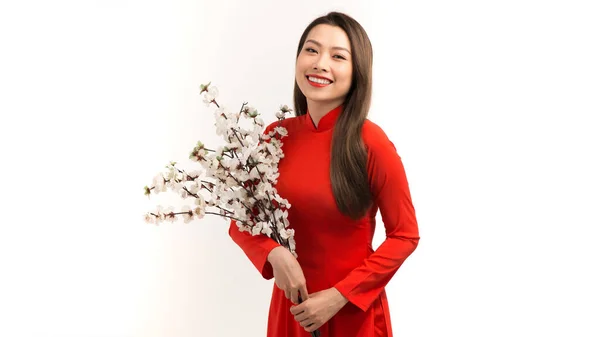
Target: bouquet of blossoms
[{"x": 236, "y": 180}]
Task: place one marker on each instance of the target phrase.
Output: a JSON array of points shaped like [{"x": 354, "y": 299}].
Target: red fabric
[{"x": 333, "y": 250}]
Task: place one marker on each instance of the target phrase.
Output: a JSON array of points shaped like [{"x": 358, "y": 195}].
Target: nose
[{"x": 320, "y": 64}]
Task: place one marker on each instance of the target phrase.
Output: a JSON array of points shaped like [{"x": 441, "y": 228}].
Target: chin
[
  {"x": 320, "y": 96},
  {"x": 325, "y": 100}
]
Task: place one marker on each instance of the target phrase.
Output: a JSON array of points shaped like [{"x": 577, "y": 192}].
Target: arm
[
  {"x": 256, "y": 248},
  {"x": 391, "y": 193}
]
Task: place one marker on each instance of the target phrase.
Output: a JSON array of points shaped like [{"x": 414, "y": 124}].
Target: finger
[
  {"x": 307, "y": 323},
  {"x": 304, "y": 293},
  {"x": 296, "y": 309},
  {"x": 312, "y": 327},
  {"x": 287, "y": 294},
  {"x": 294, "y": 297},
  {"x": 302, "y": 317}
]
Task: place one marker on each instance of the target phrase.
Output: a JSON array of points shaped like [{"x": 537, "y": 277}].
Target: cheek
[
  {"x": 345, "y": 75},
  {"x": 300, "y": 67},
  {"x": 301, "y": 62},
  {"x": 299, "y": 75}
]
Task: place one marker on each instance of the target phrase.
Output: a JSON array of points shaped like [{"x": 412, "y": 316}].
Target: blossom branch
[{"x": 250, "y": 194}]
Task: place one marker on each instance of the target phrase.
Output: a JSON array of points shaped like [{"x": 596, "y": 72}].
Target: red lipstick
[{"x": 318, "y": 85}]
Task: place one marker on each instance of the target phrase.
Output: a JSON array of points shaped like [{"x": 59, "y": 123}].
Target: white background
[{"x": 491, "y": 105}]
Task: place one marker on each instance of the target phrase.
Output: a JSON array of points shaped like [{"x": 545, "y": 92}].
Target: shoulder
[
  {"x": 288, "y": 123},
  {"x": 383, "y": 160},
  {"x": 375, "y": 138}
]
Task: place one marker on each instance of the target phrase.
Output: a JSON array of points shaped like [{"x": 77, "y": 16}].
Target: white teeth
[{"x": 318, "y": 80}]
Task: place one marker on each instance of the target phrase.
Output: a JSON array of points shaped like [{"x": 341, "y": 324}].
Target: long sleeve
[
  {"x": 256, "y": 248},
  {"x": 391, "y": 193}
]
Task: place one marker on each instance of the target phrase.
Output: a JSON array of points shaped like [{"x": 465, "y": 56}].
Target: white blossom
[
  {"x": 150, "y": 218},
  {"x": 281, "y": 216},
  {"x": 187, "y": 217},
  {"x": 265, "y": 228},
  {"x": 174, "y": 185},
  {"x": 249, "y": 155},
  {"x": 239, "y": 210},
  {"x": 286, "y": 233},
  {"x": 169, "y": 214},
  {"x": 209, "y": 96},
  {"x": 230, "y": 182},
  {"x": 199, "y": 212},
  {"x": 280, "y": 130},
  {"x": 243, "y": 176},
  {"x": 194, "y": 188},
  {"x": 159, "y": 184},
  {"x": 200, "y": 201},
  {"x": 292, "y": 245}
]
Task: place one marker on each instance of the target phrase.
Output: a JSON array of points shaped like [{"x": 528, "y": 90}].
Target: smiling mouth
[{"x": 318, "y": 81}]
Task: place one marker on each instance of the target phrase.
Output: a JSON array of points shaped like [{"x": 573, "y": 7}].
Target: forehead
[{"x": 329, "y": 36}]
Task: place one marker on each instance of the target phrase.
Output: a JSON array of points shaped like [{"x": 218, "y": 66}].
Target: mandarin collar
[{"x": 327, "y": 121}]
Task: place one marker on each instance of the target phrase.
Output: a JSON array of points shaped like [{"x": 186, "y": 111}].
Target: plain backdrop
[{"x": 492, "y": 105}]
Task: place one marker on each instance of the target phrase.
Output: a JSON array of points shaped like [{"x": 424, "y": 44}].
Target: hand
[
  {"x": 318, "y": 309},
  {"x": 288, "y": 274}
]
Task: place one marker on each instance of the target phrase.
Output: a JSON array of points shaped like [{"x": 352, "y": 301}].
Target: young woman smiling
[{"x": 339, "y": 170}]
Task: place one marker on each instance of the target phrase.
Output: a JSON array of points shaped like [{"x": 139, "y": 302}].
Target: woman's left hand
[{"x": 318, "y": 309}]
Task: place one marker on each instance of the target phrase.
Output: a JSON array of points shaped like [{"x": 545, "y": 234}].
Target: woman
[{"x": 339, "y": 169}]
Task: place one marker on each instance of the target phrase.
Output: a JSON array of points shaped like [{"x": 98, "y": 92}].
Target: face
[{"x": 324, "y": 66}]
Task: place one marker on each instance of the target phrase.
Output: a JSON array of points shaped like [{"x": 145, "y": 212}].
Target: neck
[{"x": 317, "y": 110}]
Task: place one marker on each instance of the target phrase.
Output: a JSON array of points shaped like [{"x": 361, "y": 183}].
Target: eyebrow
[{"x": 320, "y": 45}]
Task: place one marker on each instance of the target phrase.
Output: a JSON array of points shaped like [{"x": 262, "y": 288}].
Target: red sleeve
[
  {"x": 256, "y": 247},
  {"x": 391, "y": 194}
]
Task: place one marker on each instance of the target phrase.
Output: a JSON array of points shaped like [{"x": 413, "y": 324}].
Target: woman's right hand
[{"x": 288, "y": 274}]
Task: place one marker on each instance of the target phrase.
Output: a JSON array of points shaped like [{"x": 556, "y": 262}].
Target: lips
[
  {"x": 319, "y": 76},
  {"x": 317, "y": 84}
]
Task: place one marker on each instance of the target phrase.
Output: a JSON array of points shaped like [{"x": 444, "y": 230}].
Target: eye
[
  {"x": 310, "y": 50},
  {"x": 339, "y": 56}
]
